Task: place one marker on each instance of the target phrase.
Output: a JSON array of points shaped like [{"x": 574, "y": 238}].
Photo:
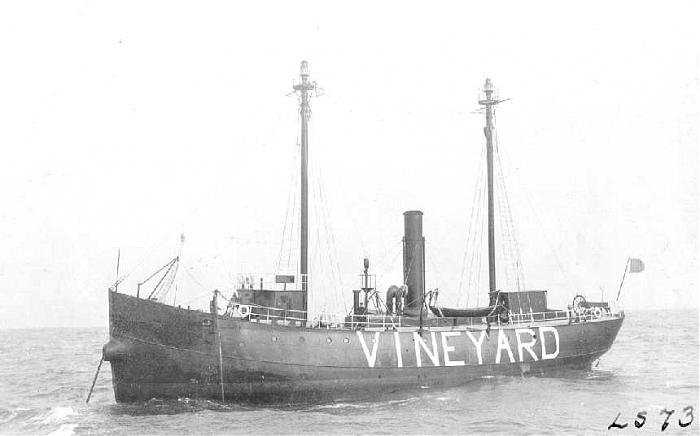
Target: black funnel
[{"x": 414, "y": 258}]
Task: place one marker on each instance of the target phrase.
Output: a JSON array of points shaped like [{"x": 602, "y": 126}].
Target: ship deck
[{"x": 382, "y": 322}]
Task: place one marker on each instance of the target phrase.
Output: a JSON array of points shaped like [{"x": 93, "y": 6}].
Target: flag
[{"x": 636, "y": 265}]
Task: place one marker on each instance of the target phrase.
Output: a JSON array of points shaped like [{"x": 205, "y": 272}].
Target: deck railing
[
  {"x": 273, "y": 315},
  {"x": 277, "y": 316},
  {"x": 558, "y": 315},
  {"x": 269, "y": 314},
  {"x": 366, "y": 322}
]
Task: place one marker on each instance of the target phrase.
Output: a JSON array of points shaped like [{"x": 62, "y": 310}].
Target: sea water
[{"x": 651, "y": 370}]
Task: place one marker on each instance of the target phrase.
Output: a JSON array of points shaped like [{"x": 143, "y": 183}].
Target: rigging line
[
  {"x": 480, "y": 256},
  {"x": 388, "y": 268},
  {"x": 323, "y": 219},
  {"x": 286, "y": 212},
  {"x": 153, "y": 292},
  {"x": 382, "y": 308},
  {"x": 140, "y": 262},
  {"x": 505, "y": 203},
  {"x": 478, "y": 260},
  {"x": 471, "y": 231},
  {"x": 167, "y": 284},
  {"x": 478, "y": 223},
  {"x": 395, "y": 250},
  {"x": 520, "y": 275},
  {"x": 539, "y": 221},
  {"x": 293, "y": 217},
  {"x": 470, "y": 226},
  {"x": 329, "y": 226},
  {"x": 229, "y": 275},
  {"x": 295, "y": 188},
  {"x": 162, "y": 288},
  {"x": 478, "y": 237},
  {"x": 335, "y": 268},
  {"x": 197, "y": 282},
  {"x": 167, "y": 265},
  {"x": 343, "y": 194},
  {"x": 476, "y": 241},
  {"x": 511, "y": 230},
  {"x": 320, "y": 220},
  {"x": 319, "y": 278},
  {"x": 471, "y": 250},
  {"x": 196, "y": 297},
  {"x": 439, "y": 274},
  {"x": 164, "y": 236},
  {"x": 316, "y": 254},
  {"x": 327, "y": 275},
  {"x": 292, "y": 220},
  {"x": 506, "y": 250},
  {"x": 330, "y": 245}
]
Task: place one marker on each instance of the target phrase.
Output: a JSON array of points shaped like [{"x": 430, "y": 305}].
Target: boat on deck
[{"x": 263, "y": 345}]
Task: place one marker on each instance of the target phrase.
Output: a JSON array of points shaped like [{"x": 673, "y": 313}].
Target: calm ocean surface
[{"x": 45, "y": 376}]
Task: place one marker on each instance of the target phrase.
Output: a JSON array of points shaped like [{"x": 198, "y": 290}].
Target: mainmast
[
  {"x": 488, "y": 102},
  {"x": 305, "y": 111}
]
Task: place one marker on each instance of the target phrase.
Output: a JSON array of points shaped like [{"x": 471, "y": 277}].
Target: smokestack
[{"x": 414, "y": 258}]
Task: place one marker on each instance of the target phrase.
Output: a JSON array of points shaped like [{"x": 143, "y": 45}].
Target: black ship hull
[{"x": 161, "y": 351}]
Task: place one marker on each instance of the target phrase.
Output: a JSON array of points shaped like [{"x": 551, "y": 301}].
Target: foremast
[{"x": 304, "y": 88}]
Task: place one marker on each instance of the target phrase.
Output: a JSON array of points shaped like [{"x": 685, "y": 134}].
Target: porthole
[
  {"x": 329, "y": 340},
  {"x": 301, "y": 339},
  {"x": 274, "y": 339},
  {"x": 346, "y": 340}
]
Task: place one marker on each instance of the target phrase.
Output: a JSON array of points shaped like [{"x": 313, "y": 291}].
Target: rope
[
  {"x": 189, "y": 273},
  {"x": 474, "y": 246},
  {"x": 166, "y": 286},
  {"x": 379, "y": 303},
  {"x": 470, "y": 228},
  {"x": 293, "y": 219},
  {"x": 227, "y": 270},
  {"x": 514, "y": 264},
  {"x": 395, "y": 249},
  {"x": 442, "y": 284},
  {"x": 330, "y": 241},
  {"x": 140, "y": 262},
  {"x": 480, "y": 257},
  {"x": 509, "y": 244},
  {"x": 323, "y": 242},
  {"x": 196, "y": 297},
  {"x": 316, "y": 244},
  {"x": 541, "y": 226},
  {"x": 290, "y": 197}
]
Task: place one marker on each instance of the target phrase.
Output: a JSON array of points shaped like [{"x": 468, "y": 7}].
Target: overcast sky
[{"x": 126, "y": 124}]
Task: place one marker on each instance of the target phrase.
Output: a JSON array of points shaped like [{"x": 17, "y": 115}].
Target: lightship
[{"x": 262, "y": 346}]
